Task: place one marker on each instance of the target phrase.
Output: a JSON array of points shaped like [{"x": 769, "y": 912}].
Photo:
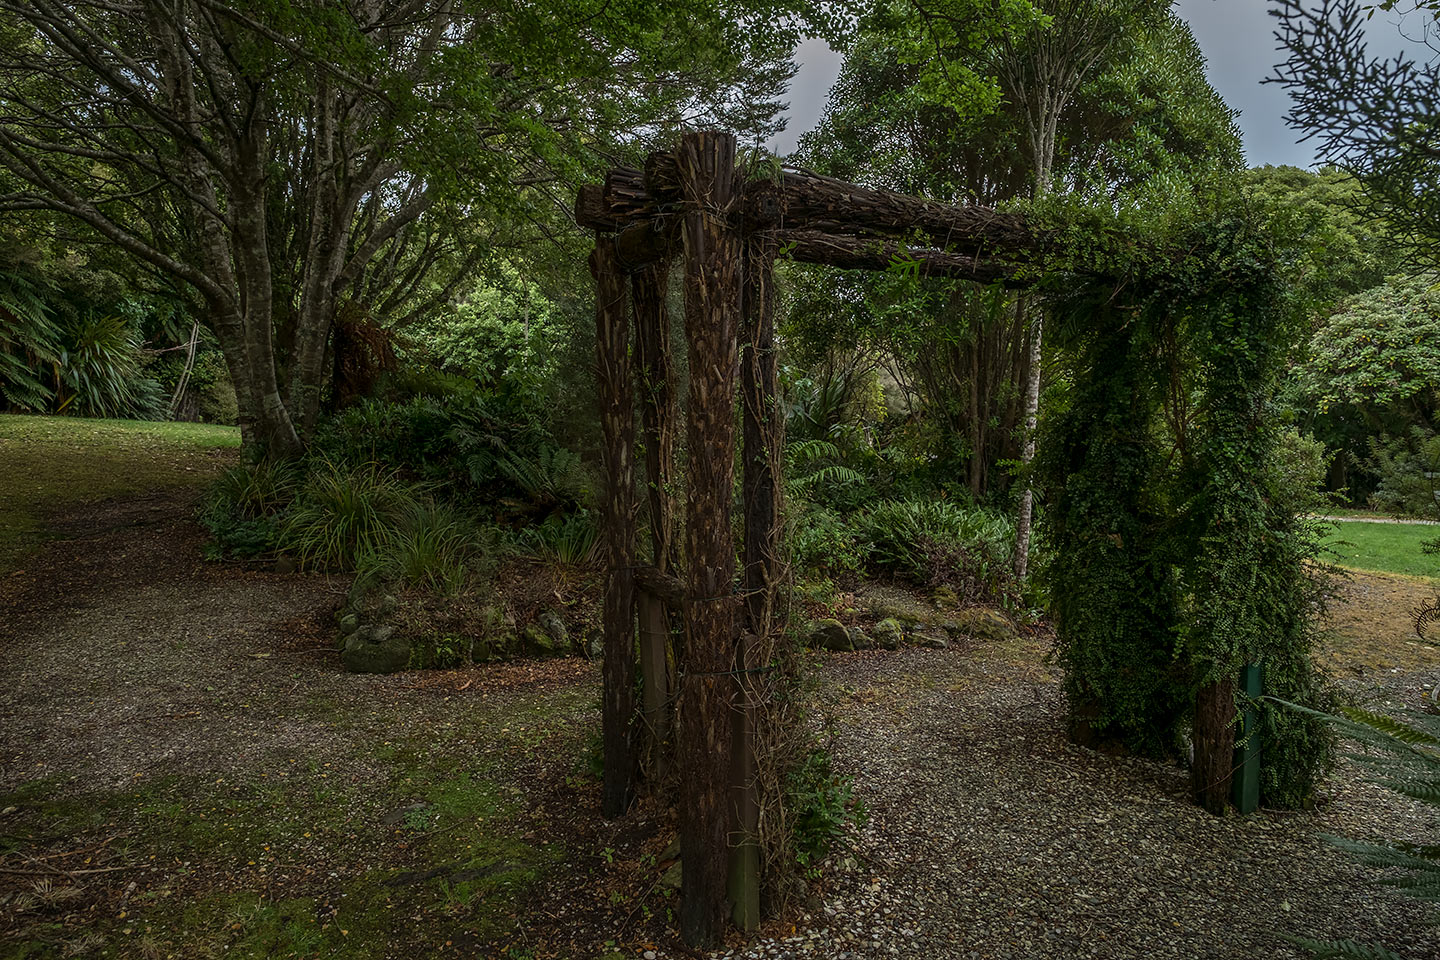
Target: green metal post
[{"x": 1247, "y": 751}]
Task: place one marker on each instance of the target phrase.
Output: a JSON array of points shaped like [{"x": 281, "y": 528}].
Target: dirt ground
[{"x": 186, "y": 772}]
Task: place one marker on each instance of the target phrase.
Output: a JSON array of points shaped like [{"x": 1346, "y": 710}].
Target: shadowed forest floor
[{"x": 186, "y": 772}]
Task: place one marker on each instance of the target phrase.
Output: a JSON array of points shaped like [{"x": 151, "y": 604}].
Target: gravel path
[
  {"x": 1400, "y": 520},
  {"x": 990, "y": 836}
]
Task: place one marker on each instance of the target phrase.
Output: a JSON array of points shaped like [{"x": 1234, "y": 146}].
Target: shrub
[
  {"x": 101, "y": 372},
  {"x": 1409, "y": 473},
  {"x": 822, "y": 542},
  {"x": 820, "y": 802},
  {"x": 29, "y": 344},
  {"x": 343, "y": 515},
  {"x": 570, "y": 539},
  {"x": 940, "y": 541},
  {"x": 1403, "y": 756}
]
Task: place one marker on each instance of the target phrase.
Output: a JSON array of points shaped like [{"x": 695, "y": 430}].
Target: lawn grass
[
  {"x": 50, "y": 464},
  {"x": 1384, "y": 547}
]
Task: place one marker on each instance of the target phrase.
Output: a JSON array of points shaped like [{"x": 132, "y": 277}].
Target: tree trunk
[
  {"x": 617, "y": 423},
  {"x": 712, "y": 294},
  {"x": 659, "y": 416},
  {"x": 1027, "y": 453},
  {"x": 1214, "y": 738}
]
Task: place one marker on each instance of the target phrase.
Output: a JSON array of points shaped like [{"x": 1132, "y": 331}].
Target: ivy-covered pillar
[{"x": 1114, "y": 596}]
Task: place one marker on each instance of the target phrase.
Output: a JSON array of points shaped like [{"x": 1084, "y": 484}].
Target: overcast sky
[{"x": 1236, "y": 36}]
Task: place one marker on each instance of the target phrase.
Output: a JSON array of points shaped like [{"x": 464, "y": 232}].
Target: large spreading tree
[
  {"x": 1103, "y": 99},
  {"x": 282, "y": 160}
]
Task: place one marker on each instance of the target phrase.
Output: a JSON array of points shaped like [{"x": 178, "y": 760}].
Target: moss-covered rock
[
  {"x": 889, "y": 634},
  {"x": 374, "y": 648},
  {"x": 829, "y": 635},
  {"x": 981, "y": 623}
]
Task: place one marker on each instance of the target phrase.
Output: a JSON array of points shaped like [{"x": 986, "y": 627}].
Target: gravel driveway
[{"x": 990, "y": 836}]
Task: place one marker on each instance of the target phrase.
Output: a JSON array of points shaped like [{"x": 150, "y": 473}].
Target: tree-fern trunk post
[
  {"x": 706, "y": 167},
  {"x": 617, "y": 424},
  {"x": 1214, "y": 738},
  {"x": 762, "y": 438},
  {"x": 659, "y": 414}
]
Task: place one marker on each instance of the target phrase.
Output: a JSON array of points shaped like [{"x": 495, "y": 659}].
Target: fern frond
[
  {"x": 1405, "y": 733},
  {"x": 1344, "y": 950}
]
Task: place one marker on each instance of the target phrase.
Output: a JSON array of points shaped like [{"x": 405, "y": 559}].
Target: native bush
[
  {"x": 482, "y": 447},
  {"x": 1408, "y": 469},
  {"x": 939, "y": 541},
  {"x": 569, "y": 539},
  {"x": 1403, "y": 756},
  {"x": 824, "y": 544},
  {"x": 29, "y": 344},
  {"x": 101, "y": 374},
  {"x": 242, "y": 508}
]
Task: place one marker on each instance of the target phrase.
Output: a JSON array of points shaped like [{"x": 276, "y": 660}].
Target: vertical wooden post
[
  {"x": 706, "y": 166},
  {"x": 659, "y": 416},
  {"x": 617, "y": 425},
  {"x": 1247, "y": 752},
  {"x": 762, "y": 435},
  {"x": 1214, "y": 739}
]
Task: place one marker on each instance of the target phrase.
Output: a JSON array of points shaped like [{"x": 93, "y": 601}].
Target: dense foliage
[{"x": 1180, "y": 539}]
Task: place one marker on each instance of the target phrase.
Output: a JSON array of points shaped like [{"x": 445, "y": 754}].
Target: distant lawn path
[{"x": 51, "y": 464}]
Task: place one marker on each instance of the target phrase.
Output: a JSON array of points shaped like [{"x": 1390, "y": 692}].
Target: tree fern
[
  {"x": 1403, "y": 756},
  {"x": 1345, "y": 950},
  {"x": 30, "y": 344}
]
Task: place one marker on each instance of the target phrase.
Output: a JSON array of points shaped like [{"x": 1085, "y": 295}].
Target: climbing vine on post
[{"x": 1179, "y": 556}]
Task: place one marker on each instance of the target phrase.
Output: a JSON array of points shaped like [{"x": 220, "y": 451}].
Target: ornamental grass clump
[{"x": 341, "y": 516}]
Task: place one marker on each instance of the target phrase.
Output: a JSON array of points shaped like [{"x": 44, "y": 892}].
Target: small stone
[
  {"x": 349, "y": 624},
  {"x": 671, "y": 877},
  {"x": 286, "y": 565}
]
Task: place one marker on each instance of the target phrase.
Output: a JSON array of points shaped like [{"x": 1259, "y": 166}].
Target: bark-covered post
[
  {"x": 617, "y": 425},
  {"x": 659, "y": 419},
  {"x": 1214, "y": 738},
  {"x": 706, "y": 164},
  {"x": 762, "y": 437}
]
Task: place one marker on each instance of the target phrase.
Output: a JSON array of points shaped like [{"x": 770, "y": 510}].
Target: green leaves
[{"x": 1380, "y": 348}]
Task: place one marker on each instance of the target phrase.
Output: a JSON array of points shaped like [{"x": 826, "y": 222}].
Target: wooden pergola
[{"x": 693, "y": 202}]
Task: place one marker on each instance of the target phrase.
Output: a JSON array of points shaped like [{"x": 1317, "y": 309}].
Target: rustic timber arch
[{"x": 692, "y": 202}]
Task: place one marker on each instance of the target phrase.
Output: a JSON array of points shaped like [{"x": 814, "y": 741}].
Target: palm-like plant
[{"x": 1404, "y": 756}]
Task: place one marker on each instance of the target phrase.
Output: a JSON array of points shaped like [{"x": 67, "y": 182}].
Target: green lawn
[
  {"x": 1385, "y": 547},
  {"x": 49, "y": 464}
]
